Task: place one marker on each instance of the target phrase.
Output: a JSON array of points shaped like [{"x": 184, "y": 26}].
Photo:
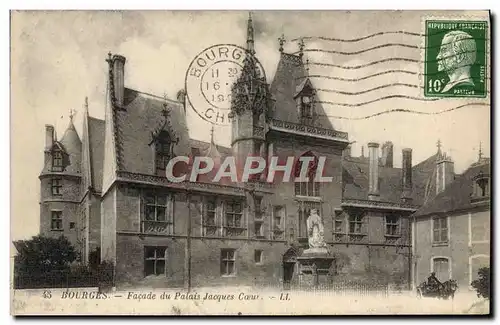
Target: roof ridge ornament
[
  {"x": 480, "y": 153},
  {"x": 281, "y": 41},
  {"x": 165, "y": 125}
]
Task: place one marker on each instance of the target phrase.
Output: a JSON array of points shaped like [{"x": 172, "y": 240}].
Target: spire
[
  {"x": 281, "y": 41},
  {"x": 86, "y": 106},
  {"x": 480, "y": 153},
  {"x": 212, "y": 150},
  {"x": 438, "y": 144},
  {"x": 250, "y": 40},
  {"x": 363, "y": 151}
]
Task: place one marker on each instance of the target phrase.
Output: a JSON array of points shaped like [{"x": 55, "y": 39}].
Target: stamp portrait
[{"x": 455, "y": 58}]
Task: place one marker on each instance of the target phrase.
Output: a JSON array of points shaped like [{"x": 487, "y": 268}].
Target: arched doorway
[{"x": 289, "y": 262}]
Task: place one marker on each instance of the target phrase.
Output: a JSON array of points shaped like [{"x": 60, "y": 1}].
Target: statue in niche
[{"x": 315, "y": 230}]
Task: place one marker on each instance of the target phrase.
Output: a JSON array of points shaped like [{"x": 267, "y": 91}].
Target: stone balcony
[{"x": 307, "y": 130}]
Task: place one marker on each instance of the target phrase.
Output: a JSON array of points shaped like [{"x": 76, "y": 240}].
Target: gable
[{"x": 291, "y": 78}]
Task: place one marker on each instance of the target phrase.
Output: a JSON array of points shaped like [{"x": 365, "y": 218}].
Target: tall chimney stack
[
  {"x": 373, "y": 191},
  {"x": 119, "y": 78},
  {"x": 49, "y": 136},
  {"x": 387, "y": 154},
  {"x": 406, "y": 181}
]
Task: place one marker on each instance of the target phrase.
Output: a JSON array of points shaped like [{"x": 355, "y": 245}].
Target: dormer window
[
  {"x": 163, "y": 145},
  {"x": 306, "y": 107},
  {"x": 57, "y": 161},
  {"x": 481, "y": 187},
  {"x": 304, "y": 98}
]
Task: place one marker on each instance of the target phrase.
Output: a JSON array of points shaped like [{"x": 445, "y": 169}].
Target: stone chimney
[
  {"x": 445, "y": 172},
  {"x": 119, "y": 78},
  {"x": 49, "y": 136},
  {"x": 387, "y": 154},
  {"x": 406, "y": 179},
  {"x": 373, "y": 191}
]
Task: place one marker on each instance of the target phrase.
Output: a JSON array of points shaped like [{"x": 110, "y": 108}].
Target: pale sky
[{"x": 58, "y": 58}]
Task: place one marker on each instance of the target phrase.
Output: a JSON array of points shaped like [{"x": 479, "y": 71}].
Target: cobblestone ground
[{"x": 243, "y": 300}]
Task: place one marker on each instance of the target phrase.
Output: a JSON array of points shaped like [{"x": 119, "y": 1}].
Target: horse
[
  {"x": 449, "y": 288},
  {"x": 443, "y": 291}
]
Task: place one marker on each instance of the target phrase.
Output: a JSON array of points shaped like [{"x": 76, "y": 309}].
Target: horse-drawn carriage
[{"x": 436, "y": 289}]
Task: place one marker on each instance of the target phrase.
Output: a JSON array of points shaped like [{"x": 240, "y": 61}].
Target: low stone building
[{"x": 452, "y": 231}]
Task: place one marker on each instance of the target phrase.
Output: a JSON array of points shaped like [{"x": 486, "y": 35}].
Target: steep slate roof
[
  {"x": 142, "y": 114},
  {"x": 134, "y": 124},
  {"x": 457, "y": 195},
  {"x": 288, "y": 80},
  {"x": 96, "y": 143},
  {"x": 355, "y": 172}
]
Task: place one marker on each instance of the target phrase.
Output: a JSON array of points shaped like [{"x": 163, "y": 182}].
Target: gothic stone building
[{"x": 107, "y": 191}]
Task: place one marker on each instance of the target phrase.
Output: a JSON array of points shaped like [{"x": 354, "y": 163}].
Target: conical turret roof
[{"x": 73, "y": 146}]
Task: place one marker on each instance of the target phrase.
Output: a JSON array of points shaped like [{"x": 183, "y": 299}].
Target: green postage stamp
[{"x": 455, "y": 58}]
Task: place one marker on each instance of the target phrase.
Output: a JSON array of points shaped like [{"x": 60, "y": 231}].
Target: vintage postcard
[{"x": 250, "y": 163}]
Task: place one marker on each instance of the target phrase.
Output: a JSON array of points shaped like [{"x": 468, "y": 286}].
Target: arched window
[
  {"x": 441, "y": 265},
  {"x": 163, "y": 150},
  {"x": 310, "y": 187}
]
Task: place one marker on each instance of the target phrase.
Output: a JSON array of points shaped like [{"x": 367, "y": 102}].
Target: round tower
[{"x": 60, "y": 185}]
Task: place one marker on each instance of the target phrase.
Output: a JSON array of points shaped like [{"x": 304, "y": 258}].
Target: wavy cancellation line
[
  {"x": 396, "y": 84},
  {"x": 363, "y": 65},
  {"x": 354, "y": 67},
  {"x": 376, "y": 47},
  {"x": 352, "y": 40},
  {"x": 360, "y": 78},
  {"x": 404, "y": 110},
  {"x": 379, "y": 99},
  {"x": 370, "y": 76}
]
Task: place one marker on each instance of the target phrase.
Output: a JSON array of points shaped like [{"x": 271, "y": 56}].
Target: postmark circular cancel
[{"x": 210, "y": 78}]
